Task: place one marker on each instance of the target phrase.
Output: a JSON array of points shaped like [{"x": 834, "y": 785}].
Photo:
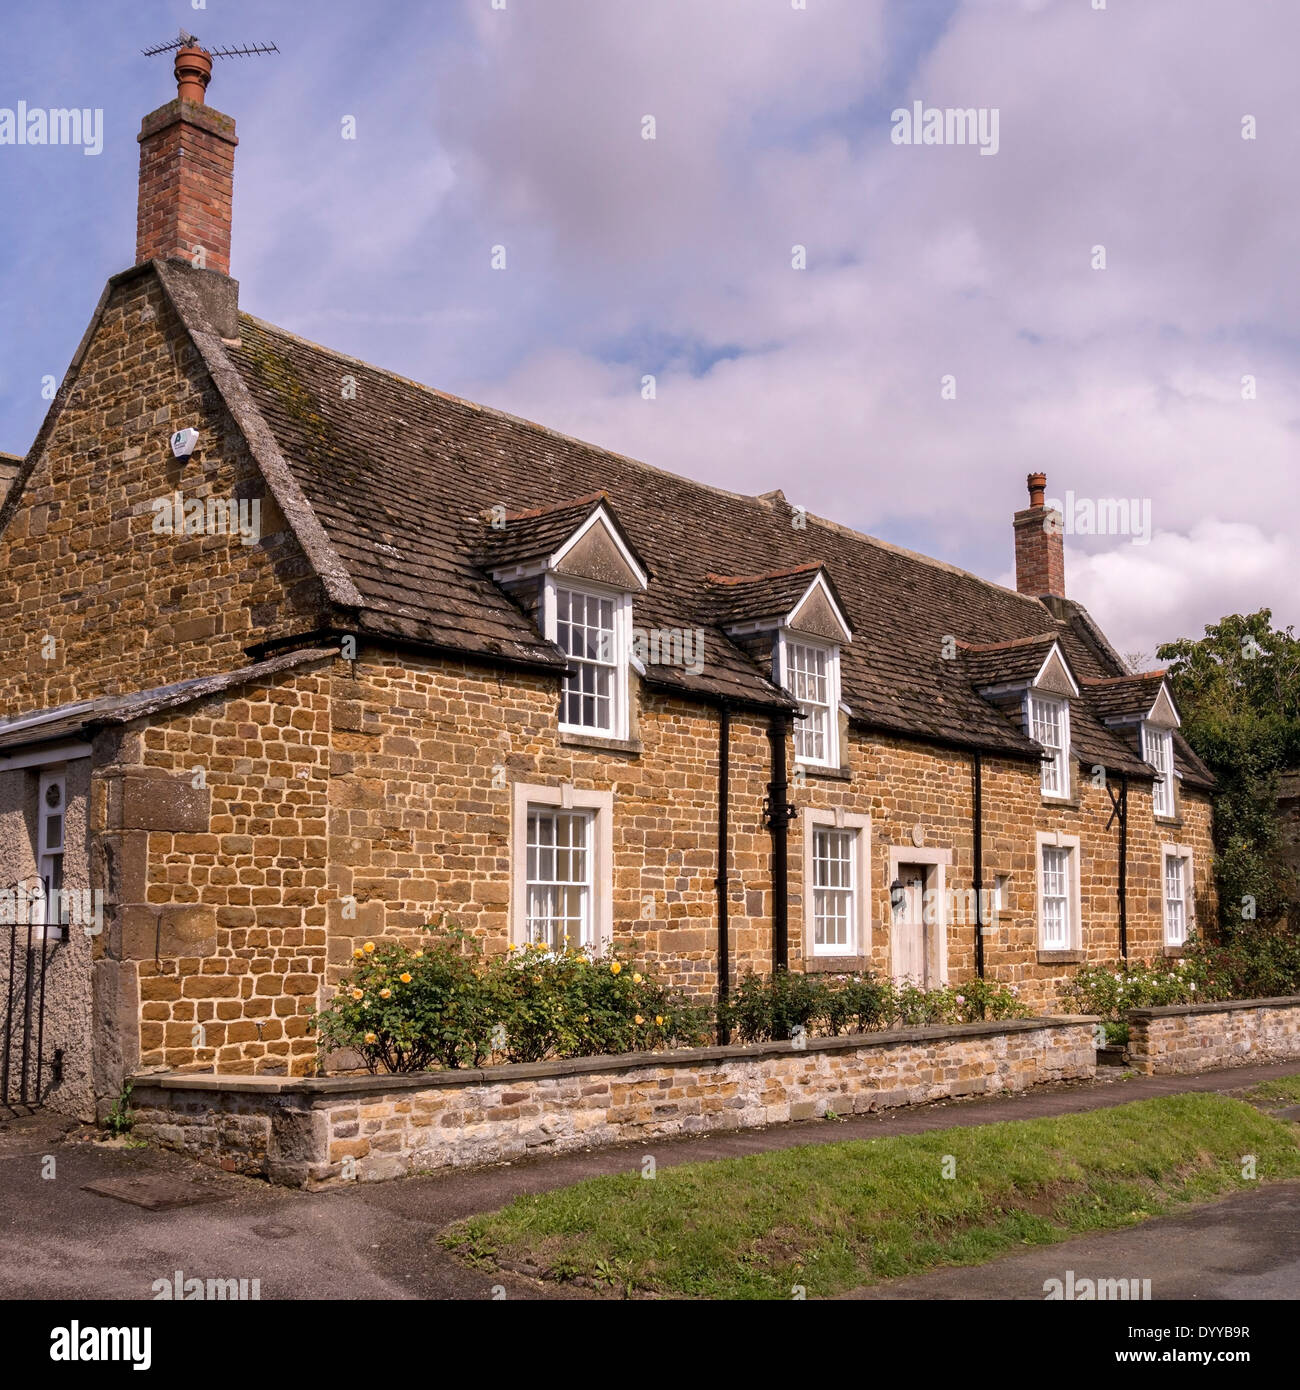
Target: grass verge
[
  {"x": 831, "y": 1217},
  {"x": 1284, "y": 1091}
]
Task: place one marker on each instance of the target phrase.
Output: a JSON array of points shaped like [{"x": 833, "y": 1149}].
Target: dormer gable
[
  {"x": 1139, "y": 699},
  {"x": 1009, "y": 669},
  {"x": 802, "y": 600},
  {"x": 581, "y": 539}
]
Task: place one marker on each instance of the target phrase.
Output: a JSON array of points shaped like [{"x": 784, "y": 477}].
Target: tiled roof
[
  {"x": 997, "y": 663},
  {"x": 1119, "y": 696},
  {"x": 532, "y": 534},
  {"x": 734, "y": 599},
  {"x": 388, "y": 484}
]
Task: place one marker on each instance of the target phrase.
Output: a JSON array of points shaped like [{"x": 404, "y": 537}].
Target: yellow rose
[
  {"x": 405, "y": 977},
  {"x": 358, "y": 955},
  {"x": 615, "y": 968},
  {"x": 639, "y": 1019},
  {"x": 636, "y": 979},
  {"x": 659, "y": 1020},
  {"x": 356, "y": 994},
  {"x": 384, "y": 993},
  {"x": 419, "y": 955},
  {"x": 368, "y": 947},
  {"x": 370, "y": 1037}
]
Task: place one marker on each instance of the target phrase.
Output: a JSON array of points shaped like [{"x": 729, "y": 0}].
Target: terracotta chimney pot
[{"x": 193, "y": 72}]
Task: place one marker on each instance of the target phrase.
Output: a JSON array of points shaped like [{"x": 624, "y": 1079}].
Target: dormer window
[
  {"x": 1158, "y": 750},
  {"x": 798, "y": 612},
  {"x": 1049, "y": 725},
  {"x": 575, "y": 569},
  {"x": 1030, "y": 680},
  {"x": 593, "y": 629},
  {"x": 810, "y": 671}
]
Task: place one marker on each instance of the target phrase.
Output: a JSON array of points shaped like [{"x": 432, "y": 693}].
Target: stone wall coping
[
  {"x": 1222, "y": 1007},
  {"x": 583, "y": 1066}
]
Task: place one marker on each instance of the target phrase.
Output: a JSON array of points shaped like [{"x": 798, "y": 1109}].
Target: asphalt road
[{"x": 379, "y": 1240}]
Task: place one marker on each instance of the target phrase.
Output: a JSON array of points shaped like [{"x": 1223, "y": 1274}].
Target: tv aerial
[{"x": 187, "y": 40}]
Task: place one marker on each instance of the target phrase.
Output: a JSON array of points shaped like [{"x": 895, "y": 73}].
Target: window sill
[
  {"x": 826, "y": 774},
  {"x": 1175, "y": 952},
  {"x": 607, "y": 745},
  {"x": 1060, "y": 957},
  {"x": 1172, "y": 822},
  {"x": 834, "y": 965},
  {"x": 1062, "y": 803}
]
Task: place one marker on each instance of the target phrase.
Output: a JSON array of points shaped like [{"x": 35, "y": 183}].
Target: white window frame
[
  {"x": 49, "y": 858},
  {"x": 1158, "y": 750},
  {"x": 787, "y": 640},
  {"x": 1184, "y": 854},
  {"x": 1055, "y": 770},
  {"x": 859, "y": 827},
  {"x": 1073, "y": 895},
  {"x": 622, "y": 647},
  {"x": 599, "y": 923}
]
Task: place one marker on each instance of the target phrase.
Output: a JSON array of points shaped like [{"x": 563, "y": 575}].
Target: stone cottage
[{"x": 298, "y": 653}]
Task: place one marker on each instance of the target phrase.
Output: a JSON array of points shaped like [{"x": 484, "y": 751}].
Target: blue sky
[{"x": 522, "y": 127}]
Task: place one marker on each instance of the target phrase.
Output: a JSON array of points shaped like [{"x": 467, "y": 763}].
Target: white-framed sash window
[
  {"x": 1179, "y": 904},
  {"x": 810, "y": 671},
  {"x": 1049, "y": 726},
  {"x": 559, "y": 877},
  {"x": 562, "y": 875},
  {"x": 593, "y": 629},
  {"x": 1158, "y": 750},
  {"x": 1060, "y": 927},
  {"x": 837, "y": 882}
]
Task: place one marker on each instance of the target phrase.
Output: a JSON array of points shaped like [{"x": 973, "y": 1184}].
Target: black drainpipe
[
  {"x": 977, "y": 774},
  {"x": 778, "y": 813},
  {"x": 724, "y": 861},
  {"x": 1123, "y": 865}
]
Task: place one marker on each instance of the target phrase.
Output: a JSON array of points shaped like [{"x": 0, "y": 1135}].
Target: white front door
[{"x": 910, "y": 955}]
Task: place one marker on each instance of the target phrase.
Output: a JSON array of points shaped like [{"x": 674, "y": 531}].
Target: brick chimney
[
  {"x": 187, "y": 170},
  {"x": 1040, "y": 548}
]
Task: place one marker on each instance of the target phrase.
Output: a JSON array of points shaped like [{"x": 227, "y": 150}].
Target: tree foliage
[{"x": 1238, "y": 689}]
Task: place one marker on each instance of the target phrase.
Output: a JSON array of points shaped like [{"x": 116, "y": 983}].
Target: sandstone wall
[{"x": 364, "y": 1128}]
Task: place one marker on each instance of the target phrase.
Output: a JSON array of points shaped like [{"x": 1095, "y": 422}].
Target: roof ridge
[
  {"x": 533, "y": 512},
  {"x": 1162, "y": 672},
  {"x": 712, "y": 578},
  {"x": 981, "y": 647}
]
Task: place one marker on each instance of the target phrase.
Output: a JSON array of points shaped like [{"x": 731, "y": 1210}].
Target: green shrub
[
  {"x": 984, "y": 1000},
  {"x": 1110, "y": 991},
  {"x": 764, "y": 1008},
  {"x": 760, "y": 1007},
  {"x": 1260, "y": 961},
  {"x": 404, "y": 1010}
]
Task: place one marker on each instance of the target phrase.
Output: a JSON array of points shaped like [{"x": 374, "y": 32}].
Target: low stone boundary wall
[
  {"x": 1199, "y": 1037},
  {"x": 313, "y": 1131}
]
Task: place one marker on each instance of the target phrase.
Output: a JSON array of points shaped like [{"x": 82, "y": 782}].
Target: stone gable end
[{"x": 97, "y": 602}]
